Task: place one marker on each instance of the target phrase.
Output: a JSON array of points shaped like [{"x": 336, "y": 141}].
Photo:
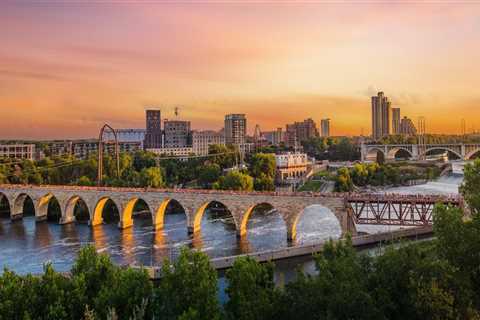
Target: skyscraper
[
  {"x": 381, "y": 116},
  {"x": 177, "y": 134},
  {"x": 396, "y": 120},
  {"x": 153, "y": 134},
  {"x": 301, "y": 131},
  {"x": 325, "y": 127},
  {"x": 235, "y": 129},
  {"x": 407, "y": 127}
]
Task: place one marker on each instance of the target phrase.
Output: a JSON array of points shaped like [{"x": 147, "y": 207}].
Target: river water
[{"x": 25, "y": 245}]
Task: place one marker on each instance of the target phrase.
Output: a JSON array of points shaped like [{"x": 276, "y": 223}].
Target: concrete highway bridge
[
  {"x": 418, "y": 152},
  {"x": 349, "y": 209}
]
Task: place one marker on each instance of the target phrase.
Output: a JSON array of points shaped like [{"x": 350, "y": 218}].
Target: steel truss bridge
[{"x": 394, "y": 209}]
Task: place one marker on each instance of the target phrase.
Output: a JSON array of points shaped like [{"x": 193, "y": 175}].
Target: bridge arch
[
  {"x": 327, "y": 219},
  {"x": 393, "y": 152},
  {"x": 43, "y": 206},
  {"x": 97, "y": 214},
  {"x": 197, "y": 220},
  {"x": 5, "y": 205},
  {"x": 424, "y": 154},
  {"x": 471, "y": 155},
  {"x": 126, "y": 218},
  {"x": 19, "y": 205},
  {"x": 372, "y": 152},
  {"x": 69, "y": 211},
  {"x": 158, "y": 218},
  {"x": 243, "y": 228}
]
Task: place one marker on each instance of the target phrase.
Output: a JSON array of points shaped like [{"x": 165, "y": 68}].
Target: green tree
[
  {"x": 343, "y": 181},
  {"x": 152, "y": 177},
  {"x": 470, "y": 188},
  {"x": 262, "y": 164},
  {"x": 264, "y": 183},
  {"x": 235, "y": 180},
  {"x": 225, "y": 155},
  {"x": 130, "y": 289},
  {"x": 144, "y": 159},
  {"x": 188, "y": 288},
  {"x": 457, "y": 241},
  {"x": 251, "y": 290},
  {"x": 93, "y": 272},
  {"x": 209, "y": 174},
  {"x": 84, "y": 181}
]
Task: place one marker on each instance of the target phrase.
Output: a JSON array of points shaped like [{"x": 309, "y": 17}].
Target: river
[{"x": 25, "y": 245}]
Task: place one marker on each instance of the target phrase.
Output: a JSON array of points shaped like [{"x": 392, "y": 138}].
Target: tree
[
  {"x": 93, "y": 272},
  {"x": 143, "y": 159},
  {"x": 251, "y": 290},
  {"x": 340, "y": 291},
  {"x": 84, "y": 181},
  {"x": 130, "y": 289},
  {"x": 360, "y": 174},
  {"x": 225, "y": 155},
  {"x": 342, "y": 283},
  {"x": 262, "y": 164},
  {"x": 470, "y": 188},
  {"x": 264, "y": 183},
  {"x": 459, "y": 243},
  {"x": 235, "y": 180},
  {"x": 152, "y": 177},
  {"x": 188, "y": 288},
  {"x": 343, "y": 181},
  {"x": 209, "y": 174}
]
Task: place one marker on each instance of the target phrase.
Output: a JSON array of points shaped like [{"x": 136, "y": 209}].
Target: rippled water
[{"x": 25, "y": 245}]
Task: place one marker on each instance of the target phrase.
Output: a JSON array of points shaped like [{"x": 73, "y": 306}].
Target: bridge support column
[
  {"x": 124, "y": 224},
  {"x": 41, "y": 218},
  {"x": 66, "y": 220}
]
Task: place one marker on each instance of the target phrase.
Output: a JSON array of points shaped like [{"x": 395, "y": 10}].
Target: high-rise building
[
  {"x": 153, "y": 133},
  {"x": 235, "y": 129},
  {"x": 325, "y": 127},
  {"x": 177, "y": 134},
  {"x": 202, "y": 140},
  {"x": 275, "y": 137},
  {"x": 381, "y": 116},
  {"x": 301, "y": 131},
  {"x": 396, "y": 120},
  {"x": 407, "y": 127}
]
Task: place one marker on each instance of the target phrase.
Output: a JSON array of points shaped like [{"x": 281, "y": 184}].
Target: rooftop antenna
[{"x": 176, "y": 111}]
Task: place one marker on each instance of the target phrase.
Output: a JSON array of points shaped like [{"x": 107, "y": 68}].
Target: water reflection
[{"x": 26, "y": 245}]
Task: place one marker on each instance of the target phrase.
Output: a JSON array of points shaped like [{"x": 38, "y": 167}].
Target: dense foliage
[
  {"x": 144, "y": 169},
  {"x": 333, "y": 149},
  {"x": 374, "y": 174}
]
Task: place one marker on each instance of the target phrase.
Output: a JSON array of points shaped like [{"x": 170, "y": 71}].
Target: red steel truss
[{"x": 405, "y": 210}]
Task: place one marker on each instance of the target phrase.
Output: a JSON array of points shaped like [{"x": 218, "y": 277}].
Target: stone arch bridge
[
  {"x": 194, "y": 202},
  {"x": 348, "y": 208},
  {"x": 416, "y": 152}
]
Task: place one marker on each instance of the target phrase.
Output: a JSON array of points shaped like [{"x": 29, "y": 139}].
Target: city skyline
[{"x": 66, "y": 68}]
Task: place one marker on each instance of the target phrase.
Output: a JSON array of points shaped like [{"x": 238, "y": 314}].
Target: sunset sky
[{"x": 67, "y": 67}]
